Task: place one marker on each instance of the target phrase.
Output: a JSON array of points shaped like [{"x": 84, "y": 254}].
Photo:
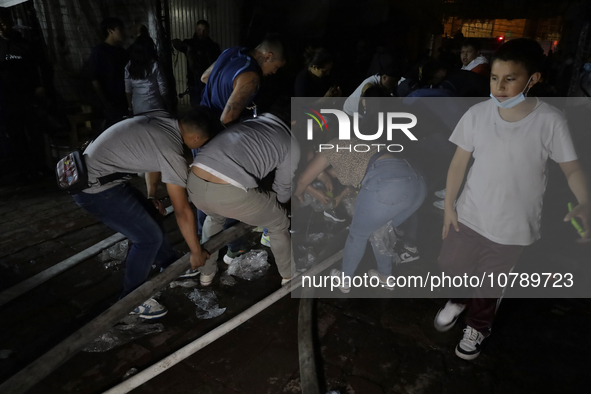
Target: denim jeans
[
  {"x": 390, "y": 190},
  {"x": 125, "y": 209}
]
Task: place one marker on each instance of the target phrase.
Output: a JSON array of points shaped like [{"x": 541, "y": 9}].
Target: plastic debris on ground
[
  {"x": 316, "y": 205},
  {"x": 121, "y": 334},
  {"x": 227, "y": 279},
  {"x": 130, "y": 373},
  {"x": 207, "y": 303},
  {"x": 306, "y": 258},
  {"x": 114, "y": 255},
  {"x": 349, "y": 204},
  {"x": 384, "y": 239},
  {"x": 186, "y": 283},
  {"x": 315, "y": 237},
  {"x": 250, "y": 266}
]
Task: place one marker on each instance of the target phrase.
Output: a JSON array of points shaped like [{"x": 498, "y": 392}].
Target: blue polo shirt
[{"x": 231, "y": 63}]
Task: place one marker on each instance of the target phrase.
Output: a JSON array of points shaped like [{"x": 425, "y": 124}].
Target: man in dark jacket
[{"x": 201, "y": 51}]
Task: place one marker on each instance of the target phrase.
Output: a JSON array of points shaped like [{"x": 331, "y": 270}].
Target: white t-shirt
[
  {"x": 502, "y": 198},
  {"x": 352, "y": 103},
  {"x": 474, "y": 63}
]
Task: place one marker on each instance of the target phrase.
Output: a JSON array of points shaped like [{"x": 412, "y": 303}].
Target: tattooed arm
[{"x": 245, "y": 86}]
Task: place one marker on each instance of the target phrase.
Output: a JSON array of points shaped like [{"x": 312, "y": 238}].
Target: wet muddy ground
[{"x": 365, "y": 346}]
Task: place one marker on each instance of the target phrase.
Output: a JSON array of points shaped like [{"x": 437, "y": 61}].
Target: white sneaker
[
  {"x": 265, "y": 240},
  {"x": 440, "y": 194},
  {"x": 338, "y": 274},
  {"x": 150, "y": 309},
  {"x": 448, "y": 315},
  {"x": 469, "y": 346},
  {"x": 383, "y": 279},
  {"x": 206, "y": 280},
  {"x": 441, "y": 204},
  {"x": 284, "y": 281}
]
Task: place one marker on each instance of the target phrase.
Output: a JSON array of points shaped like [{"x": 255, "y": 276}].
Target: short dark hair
[
  {"x": 275, "y": 43},
  {"x": 526, "y": 51},
  {"x": 202, "y": 22},
  {"x": 391, "y": 70},
  {"x": 281, "y": 108},
  {"x": 471, "y": 42},
  {"x": 318, "y": 57},
  {"x": 203, "y": 118},
  {"x": 110, "y": 23}
]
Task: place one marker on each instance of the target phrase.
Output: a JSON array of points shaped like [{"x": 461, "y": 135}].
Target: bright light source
[{"x": 501, "y": 38}]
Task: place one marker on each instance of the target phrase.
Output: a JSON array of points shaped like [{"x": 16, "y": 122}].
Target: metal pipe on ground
[
  {"x": 181, "y": 354},
  {"x": 50, "y": 361},
  {"x": 42, "y": 277},
  {"x": 308, "y": 369}
]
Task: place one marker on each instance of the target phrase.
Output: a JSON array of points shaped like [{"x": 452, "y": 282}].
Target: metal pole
[
  {"x": 216, "y": 333},
  {"x": 50, "y": 361},
  {"x": 42, "y": 277}
]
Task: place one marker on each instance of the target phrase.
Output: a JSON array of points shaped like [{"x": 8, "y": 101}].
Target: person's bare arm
[
  {"x": 129, "y": 104},
  {"x": 245, "y": 86},
  {"x": 577, "y": 182},
  {"x": 365, "y": 87},
  {"x": 315, "y": 167},
  {"x": 455, "y": 177},
  {"x": 152, "y": 179},
  {"x": 186, "y": 221},
  {"x": 206, "y": 73}
]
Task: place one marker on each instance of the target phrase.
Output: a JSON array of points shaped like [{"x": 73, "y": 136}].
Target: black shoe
[
  {"x": 332, "y": 215},
  {"x": 408, "y": 254}
]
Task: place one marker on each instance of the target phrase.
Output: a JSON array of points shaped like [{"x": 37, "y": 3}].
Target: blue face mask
[
  {"x": 587, "y": 67},
  {"x": 513, "y": 101}
]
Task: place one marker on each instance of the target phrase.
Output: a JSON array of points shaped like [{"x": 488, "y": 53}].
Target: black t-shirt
[
  {"x": 19, "y": 74},
  {"x": 201, "y": 53},
  {"x": 309, "y": 85},
  {"x": 107, "y": 65}
]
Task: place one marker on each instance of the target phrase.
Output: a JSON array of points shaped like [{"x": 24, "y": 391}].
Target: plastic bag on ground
[
  {"x": 384, "y": 239},
  {"x": 207, "y": 303},
  {"x": 130, "y": 373},
  {"x": 349, "y": 204},
  {"x": 121, "y": 334},
  {"x": 306, "y": 258},
  {"x": 115, "y": 252},
  {"x": 315, "y": 237},
  {"x": 316, "y": 205},
  {"x": 227, "y": 279},
  {"x": 185, "y": 283},
  {"x": 250, "y": 266}
]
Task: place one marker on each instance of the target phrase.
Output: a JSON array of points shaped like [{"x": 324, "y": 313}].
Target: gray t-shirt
[
  {"x": 502, "y": 198},
  {"x": 247, "y": 152},
  {"x": 150, "y": 142}
]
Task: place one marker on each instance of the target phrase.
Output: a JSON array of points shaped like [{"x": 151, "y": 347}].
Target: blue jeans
[
  {"x": 125, "y": 209},
  {"x": 390, "y": 190}
]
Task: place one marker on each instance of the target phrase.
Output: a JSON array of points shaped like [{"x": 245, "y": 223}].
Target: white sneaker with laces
[
  {"x": 440, "y": 194},
  {"x": 408, "y": 254},
  {"x": 337, "y": 273},
  {"x": 383, "y": 279},
  {"x": 206, "y": 280},
  {"x": 150, "y": 309},
  {"x": 448, "y": 315},
  {"x": 469, "y": 346}
]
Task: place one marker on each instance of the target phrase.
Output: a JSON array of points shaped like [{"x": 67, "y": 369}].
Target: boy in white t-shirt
[{"x": 499, "y": 211}]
